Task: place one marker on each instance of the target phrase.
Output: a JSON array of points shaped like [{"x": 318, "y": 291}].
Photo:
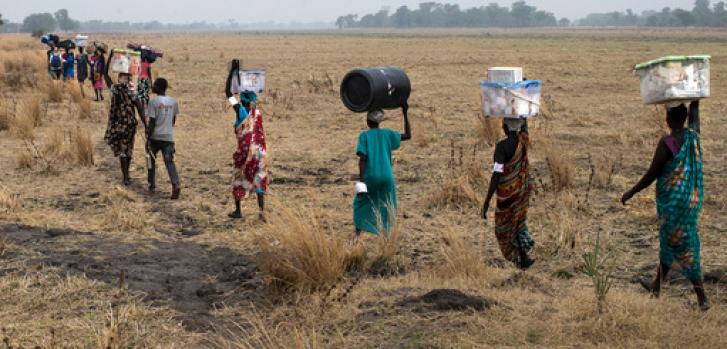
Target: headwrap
[
  {"x": 247, "y": 97},
  {"x": 376, "y": 116},
  {"x": 514, "y": 125}
]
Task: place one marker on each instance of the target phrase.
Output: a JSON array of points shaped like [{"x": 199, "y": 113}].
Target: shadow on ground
[{"x": 192, "y": 279}]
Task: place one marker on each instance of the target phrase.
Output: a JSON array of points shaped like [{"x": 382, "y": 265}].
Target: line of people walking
[{"x": 676, "y": 167}]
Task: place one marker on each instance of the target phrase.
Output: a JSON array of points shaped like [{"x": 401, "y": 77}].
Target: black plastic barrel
[{"x": 366, "y": 89}]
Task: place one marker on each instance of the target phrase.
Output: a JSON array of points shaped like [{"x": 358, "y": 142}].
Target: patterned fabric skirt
[
  {"x": 122, "y": 123},
  {"x": 679, "y": 198},
  {"x": 143, "y": 90},
  {"x": 513, "y": 200},
  {"x": 249, "y": 173}
]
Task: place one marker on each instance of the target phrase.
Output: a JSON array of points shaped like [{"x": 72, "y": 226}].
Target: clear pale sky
[{"x": 249, "y": 11}]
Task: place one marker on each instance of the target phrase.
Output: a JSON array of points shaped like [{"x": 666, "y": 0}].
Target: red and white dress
[{"x": 250, "y": 160}]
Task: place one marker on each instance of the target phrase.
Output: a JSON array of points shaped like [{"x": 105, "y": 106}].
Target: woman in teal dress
[
  {"x": 677, "y": 169},
  {"x": 372, "y": 206}
]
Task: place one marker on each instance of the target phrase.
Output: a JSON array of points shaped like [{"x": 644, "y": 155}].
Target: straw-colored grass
[
  {"x": 23, "y": 125},
  {"x": 488, "y": 130},
  {"x": 297, "y": 254},
  {"x": 5, "y": 116},
  {"x": 55, "y": 92},
  {"x": 459, "y": 258},
  {"x": 8, "y": 202},
  {"x": 560, "y": 167},
  {"x": 71, "y": 233},
  {"x": 82, "y": 147},
  {"x": 85, "y": 111}
]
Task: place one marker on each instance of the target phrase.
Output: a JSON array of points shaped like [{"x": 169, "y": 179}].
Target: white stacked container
[
  {"x": 674, "y": 78},
  {"x": 252, "y": 80},
  {"x": 506, "y": 95},
  {"x": 81, "y": 40},
  {"x": 505, "y": 74}
]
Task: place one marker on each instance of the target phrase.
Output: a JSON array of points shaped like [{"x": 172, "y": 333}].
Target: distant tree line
[
  {"x": 520, "y": 14},
  {"x": 433, "y": 14},
  {"x": 42, "y": 23},
  {"x": 704, "y": 14}
]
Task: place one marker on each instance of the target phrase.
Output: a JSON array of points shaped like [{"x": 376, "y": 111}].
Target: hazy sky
[{"x": 247, "y": 11}]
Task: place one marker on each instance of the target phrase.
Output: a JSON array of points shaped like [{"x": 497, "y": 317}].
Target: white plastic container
[
  {"x": 510, "y": 100},
  {"x": 252, "y": 80},
  {"x": 674, "y": 78},
  {"x": 505, "y": 74},
  {"x": 81, "y": 40}
]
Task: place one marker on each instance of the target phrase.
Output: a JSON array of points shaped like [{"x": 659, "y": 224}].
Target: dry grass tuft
[
  {"x": 386, "y": 260},
  {"x": 122, "y": 214},
  {"x": 560, "y": 167},
  {"x": 54, "y": 142},
  {"x": 55, "y": 92},
  {"x": 82, "y": 147},
  {"x": 321, "y": 84},
  {"x": 460, "y": 259},
  {"x": 8, "y": 202},
  {"x": 32, "y": 109},
  {"x": 20, "y": 71},
  {"x": 256, "y": 333},
  {"x": 296, "y": 254},
  {"x": 85, "y": 112},
  {"x": 564, "y": 230},
  {"x": 23, "y": 125},
  {"x": 455, "y": 192},
  {"x": 25, "y": 159},
  {"x": 487, "y": 130},
  {"x": 74, "y": 91},
  {"x": 5, "y": 117}
]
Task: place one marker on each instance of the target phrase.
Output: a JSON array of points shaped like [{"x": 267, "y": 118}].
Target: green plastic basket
[{"x": 667, "y": 59}]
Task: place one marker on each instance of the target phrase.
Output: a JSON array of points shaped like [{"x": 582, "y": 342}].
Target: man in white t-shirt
[{"x": 162, "y": 114}]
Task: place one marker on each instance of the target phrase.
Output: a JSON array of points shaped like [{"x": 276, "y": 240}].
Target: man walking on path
[{"x": 162, "y": 112}]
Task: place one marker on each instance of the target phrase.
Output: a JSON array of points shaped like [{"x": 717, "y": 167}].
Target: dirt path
[{"x": 190, "y": 278}]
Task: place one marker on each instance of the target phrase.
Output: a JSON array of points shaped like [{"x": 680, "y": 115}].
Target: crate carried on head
[
  {"x": 510, "y": 100},
  {"x": 125, "y": 62},
  {"x": 250, "y": 80},
  {"x": 674, "y": 78},
  {"x": 81, "y": 40},
  {"x": 505, "y": 74}
]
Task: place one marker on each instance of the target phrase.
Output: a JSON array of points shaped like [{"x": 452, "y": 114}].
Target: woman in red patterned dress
[{"x": 250, "y": 160}]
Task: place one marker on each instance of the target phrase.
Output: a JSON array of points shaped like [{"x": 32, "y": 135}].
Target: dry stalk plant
[
  {"x": 85, "y": 111},
  {"x": 465, "y": 184},
  {"x": 323, "y": 84},
  {"x": 296, "y": 254},
  {"x": 55, "y": 92},
  {"x": 5, "y": 118},
  {"x": 560, "y": 167},
  {"x": 460, "y": 259},
  {"x": 21, "y": 71},
  {"x": 488, "y": 130},
  {"x": 8, "y": 202},
  {"x": 82, "y": 147}
]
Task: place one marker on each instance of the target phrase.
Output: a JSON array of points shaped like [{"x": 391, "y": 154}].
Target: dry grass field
[{"x": 86, "y": 262}]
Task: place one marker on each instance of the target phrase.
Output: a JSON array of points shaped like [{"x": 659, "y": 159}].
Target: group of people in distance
[
  {"x": 676, "y": 167},
  {"x": 67, "y": 66}
]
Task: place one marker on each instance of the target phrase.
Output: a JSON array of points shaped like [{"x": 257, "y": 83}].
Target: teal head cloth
[{"x": 248, "y": 97}]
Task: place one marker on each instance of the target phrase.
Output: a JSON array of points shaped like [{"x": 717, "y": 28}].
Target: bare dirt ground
[{"x": 86, "y": 262}]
